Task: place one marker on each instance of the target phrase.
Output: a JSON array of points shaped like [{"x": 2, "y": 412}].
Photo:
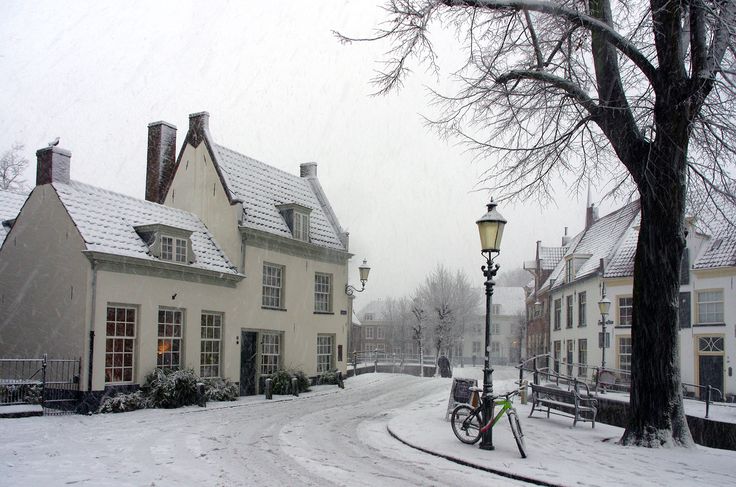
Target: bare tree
[
  {"x": 566, "y": 87},
  {"x": 12, "y": 165},
  {"x": 514, "y": 278},
  {"x": 418, "y": 330},
  {"x": 448, "y": 300}
]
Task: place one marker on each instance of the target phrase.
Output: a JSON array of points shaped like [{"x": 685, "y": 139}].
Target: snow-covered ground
[{"x": 332, "y": 437}]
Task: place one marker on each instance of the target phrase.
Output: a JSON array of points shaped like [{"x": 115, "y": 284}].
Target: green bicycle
[{"x": 468, "y": 426}]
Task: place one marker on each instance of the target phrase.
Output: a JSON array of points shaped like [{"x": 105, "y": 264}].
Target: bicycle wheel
[
  {"x": 465, "y": 424},
  {"x": 518, "y": 434}
]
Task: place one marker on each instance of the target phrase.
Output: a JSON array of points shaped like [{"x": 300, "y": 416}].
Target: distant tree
[
  {"x": 418, "y": 329},
  {"x": 566, "y": 87},
  {"x": 12, "y": 165},
  {"x": 514, "y": 278},
  {"x": 448, "y": 300}
]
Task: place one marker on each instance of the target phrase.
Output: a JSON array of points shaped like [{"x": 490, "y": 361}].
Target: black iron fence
[{"x": 52, "y": 384}]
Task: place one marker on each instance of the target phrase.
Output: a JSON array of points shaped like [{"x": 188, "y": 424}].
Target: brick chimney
[
  {"x": 161, "y": 159},
  {"x": 308, "y": 170},
  {"x": 199, "y": 124},
  {"x": 52, "y": 165},
  {"x": 591, "y": 215}
]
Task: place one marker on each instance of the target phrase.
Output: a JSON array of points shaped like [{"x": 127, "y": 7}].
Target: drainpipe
[{"x": 92, "y": 326}]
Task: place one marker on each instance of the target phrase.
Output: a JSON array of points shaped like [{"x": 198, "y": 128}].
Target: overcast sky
[{"x": 279, "y": 88}]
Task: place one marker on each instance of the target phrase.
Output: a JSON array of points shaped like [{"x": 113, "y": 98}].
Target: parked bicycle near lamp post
[{"x": 467, "y": 422}]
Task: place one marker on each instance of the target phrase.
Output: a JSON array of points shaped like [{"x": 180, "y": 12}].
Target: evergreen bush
[
  {"x": 328, "y": 377},
  {"x": 282, "y": 381},
  {"x": 167, "y": 388},
  {"x": 122, "y": 403},
  {"x": 221, "y": 390}
]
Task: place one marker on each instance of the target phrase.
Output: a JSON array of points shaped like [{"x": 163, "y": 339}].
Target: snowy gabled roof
[
  {"x": 720, "y": 250},
  {"x": 262, "y": 188},
  {"x": 107, "y": 223},
  {"x": 10, "y": 205},
  {"x": 550, "y": 256},
  {"x": 622, "y": 262},
  {"x": 599, "y": 241}
]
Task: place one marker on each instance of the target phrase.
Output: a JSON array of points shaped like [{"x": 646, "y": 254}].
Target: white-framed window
[
  {"x": 710, "y": 344},
  {"x": 710, "y": 306},
  {"x": 582, "y": 356},
  {"x": 568, "y": 317},
  {"x": 380, "y": 333},
  {"x": 301, "y": 226},
  {"x": 170, "y": 333},
  {"x": 570, "y": 356},
  {"x": 270, "y": 353},
  {"x": 379, "y": 347},
  {"x": 624, "y": 353},
  {"x": 496, "y": 309},
  {"x": 324, "y": 353},
  {"x": 476, "y": 347},
  {"x": 368, "y": 317},
  {"x": 273, "y": 286},
  {"x": 569, "y": 270},
  {"x": 120, "y": 343},
  {"x": 322, "y": 292},
  {"x": 495, "y": 349},
  {"x": 625, "y": 310},
  {"x": 558, "y": 314},
  {"x": 369, "y": 332},
  {"x": 210, "y": 345},
  {"x": 557, "y": 354},
  {"x": 582, "y": 315},
  {"x": 173, "y": 249},
  {"x": 397, "y": 349}
]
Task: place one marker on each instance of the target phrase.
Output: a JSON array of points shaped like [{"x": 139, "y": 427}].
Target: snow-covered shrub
[
  {"x": 122, "y": 403},
  {"x": 282, "y": 381},
  {"x": 220, "y": 390},
  {"x": 171, "y": 388},
  {"x": 27, "y": 393},
  {"x": 328, "y": 377}
]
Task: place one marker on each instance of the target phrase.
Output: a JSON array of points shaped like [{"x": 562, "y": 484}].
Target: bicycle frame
[{"x": 505, "y": 406}]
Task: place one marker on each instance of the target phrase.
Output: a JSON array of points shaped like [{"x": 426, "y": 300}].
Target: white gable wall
[
  {"x": 44, "y": 282},
  {"x": 197, "y": 188}
]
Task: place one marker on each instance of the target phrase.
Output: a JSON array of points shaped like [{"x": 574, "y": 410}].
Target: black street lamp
[
  {"x": 491, "y": 227},
  {"x": 604, "y": 305},
  {"x": 364, "y": 270}
]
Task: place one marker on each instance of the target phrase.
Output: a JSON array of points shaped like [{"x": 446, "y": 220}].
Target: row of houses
[
  {"x": 229, "y": 266},
  {"x": 387, "y": 330},
  {"x": 563, "y": 317}
]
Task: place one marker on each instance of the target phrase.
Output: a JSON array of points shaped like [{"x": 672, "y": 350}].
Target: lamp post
[
  {"x": 604, "y": 305},
  {"x": 490, "y": 227}
]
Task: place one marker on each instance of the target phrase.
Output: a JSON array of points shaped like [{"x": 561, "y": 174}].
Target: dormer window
[
  {"x": 296, "y": 217},
  {"x": 168, "y": 243},
  {"x": 173, "y": 249}
]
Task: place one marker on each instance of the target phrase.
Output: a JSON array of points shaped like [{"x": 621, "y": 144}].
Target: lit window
[
  {"x": 120, "y": 344},
  {"x": 625, "y": 311},
  {"x": 270, "y": 353},
  {"x": 211, "y": 335},
  {"x": 324, "y": 353},
  {"x": 710, "y": 307},
  {"x": 273, "y": 283},
  {"x": 582, "y": 318},
  {"x": 322, "y": 293},
  {"x": 624, "y": 353},
  {"x": 169, "y": 349}
]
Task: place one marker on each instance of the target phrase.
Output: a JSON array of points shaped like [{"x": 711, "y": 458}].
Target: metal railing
[
  {"x": 601, "y": 380},
  {"x": 707, "y": 397},
  {"x": 51, "y": 383}
]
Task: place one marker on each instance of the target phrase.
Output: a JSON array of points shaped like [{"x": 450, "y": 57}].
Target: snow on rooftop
[
  {"x": 10, "y": 205},
  {"x": 262, "y": 187},
  {"x": 107, "y": 221}
]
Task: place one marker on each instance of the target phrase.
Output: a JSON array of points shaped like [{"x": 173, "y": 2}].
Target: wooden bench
[{"x": 569, "y": 402}]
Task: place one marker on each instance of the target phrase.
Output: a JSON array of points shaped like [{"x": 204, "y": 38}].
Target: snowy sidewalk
[{"x": 559, "y": 454}]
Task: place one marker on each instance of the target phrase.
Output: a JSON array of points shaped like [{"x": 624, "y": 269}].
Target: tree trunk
[{"x": 657, "y": 417}]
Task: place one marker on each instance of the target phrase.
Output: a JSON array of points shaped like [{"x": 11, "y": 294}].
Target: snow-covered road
[{"x": 327, "y": 437}]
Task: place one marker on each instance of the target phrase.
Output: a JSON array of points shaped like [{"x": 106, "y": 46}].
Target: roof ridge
[{"x": 219, "y": 146}]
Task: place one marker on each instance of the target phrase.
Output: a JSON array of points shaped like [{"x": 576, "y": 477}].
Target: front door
[
  {"x": 711, "y": 374},
  {"x": 248, "y": 355}
]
